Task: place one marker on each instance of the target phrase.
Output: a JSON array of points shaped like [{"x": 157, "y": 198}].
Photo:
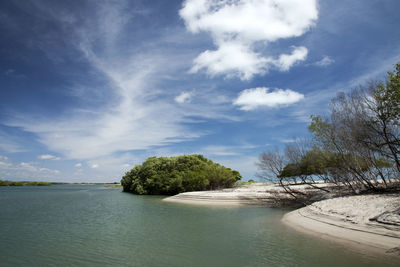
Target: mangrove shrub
[{"x": 173, "y": 175}]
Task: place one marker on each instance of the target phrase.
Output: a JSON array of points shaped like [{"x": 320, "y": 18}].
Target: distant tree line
[
  {"x": 27, "y": 183},
  {"x": 173, "y": 175},
  {"x": 356, "y": 147}
]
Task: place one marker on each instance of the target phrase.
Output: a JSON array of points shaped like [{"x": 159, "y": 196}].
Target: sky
[{"x": 89, "y": 89}]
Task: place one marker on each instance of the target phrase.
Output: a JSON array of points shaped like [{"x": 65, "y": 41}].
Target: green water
[{"x": 71, "y": 225}]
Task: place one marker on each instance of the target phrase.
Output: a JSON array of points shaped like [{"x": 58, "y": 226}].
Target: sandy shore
[
  {"x": 368, "y": 221},
  {"x": 254, "y": 194}
]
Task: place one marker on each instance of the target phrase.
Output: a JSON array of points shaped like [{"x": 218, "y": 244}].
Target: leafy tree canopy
[
  {"x": 317, "y": 162},
  {"x": 173, "y": 175}
]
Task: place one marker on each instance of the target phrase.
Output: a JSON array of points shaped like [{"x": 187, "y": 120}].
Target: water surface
[{"x": 75, "y": 225}]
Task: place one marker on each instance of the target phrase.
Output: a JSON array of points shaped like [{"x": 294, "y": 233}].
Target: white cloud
[
  {"x": 238, "y": 26},
  {"x": 184, "y": 97},
  {"x": 253, "y": 98},
  {"x": 231, "y": 59},
  {"x": 288, "y": 140},
  {"x": 25, "y": 170},
  {"x": 47, "y": 156},
  {"x": 78, "y": 165},
  {"x": 286, "y": 61},
  {"x": 94, "y": 166},
  {"x": 325, "y": 61},
  {"x": 219, "y": 151}
]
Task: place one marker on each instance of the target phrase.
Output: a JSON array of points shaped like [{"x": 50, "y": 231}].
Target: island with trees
[{"x": 174, "y": 175}]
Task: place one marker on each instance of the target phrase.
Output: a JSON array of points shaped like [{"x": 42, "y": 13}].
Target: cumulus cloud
[
  {"x": 47, "y": 156},
  {"x": 78, "y": 165},
  {"x": 238, "y": 26},
  {"x": 286, "y": 61},
  {"x": 254, "y": 98},
  {"x": 325, "y": 61},
  {"x": 24, "y": 170},
  {"x": 184, "y": 97},
  {"x": 231, "y": 59}
]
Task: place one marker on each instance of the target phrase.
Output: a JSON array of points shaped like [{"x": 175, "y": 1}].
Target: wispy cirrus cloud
[
  {"x": 184, "y": 97},
  {"x": 223, "y": 150},
  {"x": 135, "y": 117},
  {"x": 237, "y": 27},
  {"x": 325, "y": 61},
  {"x": 10, "y": 143}
]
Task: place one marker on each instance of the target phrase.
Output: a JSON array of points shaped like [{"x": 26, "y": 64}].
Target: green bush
[{"x": 169, "y": 176}]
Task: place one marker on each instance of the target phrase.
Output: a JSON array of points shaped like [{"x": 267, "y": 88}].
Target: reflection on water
[{"x": 91, "y": 225}]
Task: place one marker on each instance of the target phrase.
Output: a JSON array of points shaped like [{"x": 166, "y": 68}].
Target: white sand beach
[
  {"x": 253, "y": 194},
  {"x": 370, "y": 221},
  {"x": 267, "y": 194}
]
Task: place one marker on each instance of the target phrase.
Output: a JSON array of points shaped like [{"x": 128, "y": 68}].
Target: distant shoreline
[
  {"x": 44, "y": 183},
  {"x": 24, "y": 183}
]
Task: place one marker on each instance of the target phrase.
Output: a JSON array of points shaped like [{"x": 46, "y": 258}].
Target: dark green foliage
[
  {"x": 317, "y": 162},
  {"x": 169, "y": 176}
]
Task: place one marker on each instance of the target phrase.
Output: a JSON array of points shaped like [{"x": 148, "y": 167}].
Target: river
[{"x": 90, "y": 225}]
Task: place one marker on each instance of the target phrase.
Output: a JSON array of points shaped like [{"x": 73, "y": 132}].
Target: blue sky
[{"x": 88, "y": 89}]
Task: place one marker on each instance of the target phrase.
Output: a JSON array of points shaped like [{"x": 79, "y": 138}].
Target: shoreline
[
  {"x": 265, "y": 194},
  {"x": 357, "y": 238},
  {"x": 370, "y": 222},
  {"x": 367, "y": 222}
]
